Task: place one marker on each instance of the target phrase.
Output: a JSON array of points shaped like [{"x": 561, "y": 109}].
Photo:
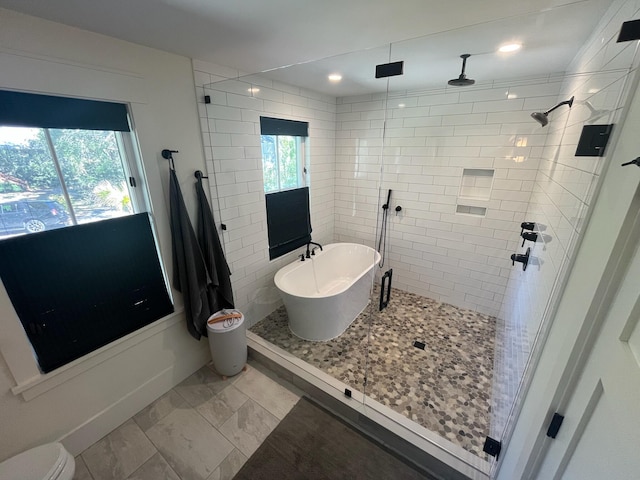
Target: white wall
[
  {"x": 430, "y": 138},
  {"x": 436, "y": 252},
  {"x": 93, "y": 397},
  {"x": 231, "y": 131}
]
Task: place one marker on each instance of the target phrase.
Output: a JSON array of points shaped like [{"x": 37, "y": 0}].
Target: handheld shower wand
[{"x": 382, "y": 242}]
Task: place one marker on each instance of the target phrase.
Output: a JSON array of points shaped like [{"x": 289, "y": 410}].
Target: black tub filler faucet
[{"x": 312, "y": 252}]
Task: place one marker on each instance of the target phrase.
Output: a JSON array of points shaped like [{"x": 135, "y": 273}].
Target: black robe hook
[{"x": 168, "y": 154}]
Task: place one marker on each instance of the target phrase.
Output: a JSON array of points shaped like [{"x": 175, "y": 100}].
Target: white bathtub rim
[{"x": 299, "y": 264}]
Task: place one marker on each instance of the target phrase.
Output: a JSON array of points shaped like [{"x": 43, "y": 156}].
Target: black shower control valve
[
  {"x": 523, "y": 259},
  {"x": 527, "y": 226},
  {"x": 531, "y": 236}
]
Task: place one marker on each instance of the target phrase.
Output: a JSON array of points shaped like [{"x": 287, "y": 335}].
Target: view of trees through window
[
  {"x": 281, "y": 162},
  {"x": 51, "y": 178}
]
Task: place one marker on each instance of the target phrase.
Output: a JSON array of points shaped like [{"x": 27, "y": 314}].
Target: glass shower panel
[
  {"x": 466, "y": 169},
  {"x": 432, "y": 346},
  {"x": 559, "y": 206},
  {"x": 339, "y": 162}
]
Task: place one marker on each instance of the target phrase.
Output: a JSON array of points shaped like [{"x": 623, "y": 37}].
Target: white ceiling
[{"x": 429, "y": 35}]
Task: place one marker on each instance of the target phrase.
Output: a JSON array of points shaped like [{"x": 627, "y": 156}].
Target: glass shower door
[{"x": 432, "y": 347}]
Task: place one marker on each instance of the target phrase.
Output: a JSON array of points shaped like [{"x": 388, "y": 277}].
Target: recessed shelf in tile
[
  {"x": 476, "y": 183},
  {"x": 471, "y": 210}
]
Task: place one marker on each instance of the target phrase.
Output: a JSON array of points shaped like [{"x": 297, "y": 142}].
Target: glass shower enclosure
[{"x": 447, "y": 183}]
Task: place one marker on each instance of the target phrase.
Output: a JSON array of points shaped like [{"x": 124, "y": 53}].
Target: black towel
[
  {"x": 190, "y": 275},
  {"x": 219, "y": 291}
]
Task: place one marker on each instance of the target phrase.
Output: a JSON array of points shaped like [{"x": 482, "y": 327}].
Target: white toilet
[{"x": 46, "y": 462}]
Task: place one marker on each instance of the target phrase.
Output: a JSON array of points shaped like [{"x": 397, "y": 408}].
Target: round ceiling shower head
[{"x": 462, "y": 80}]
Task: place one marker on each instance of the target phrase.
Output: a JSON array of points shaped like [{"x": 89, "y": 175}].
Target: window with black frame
[
  {"x": 78, "y": 255},
  {"x": 64, "y": 162},
  {"x": 284, "y": 145}
]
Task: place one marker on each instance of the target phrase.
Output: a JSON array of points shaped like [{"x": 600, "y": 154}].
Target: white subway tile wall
[
  {"x": 561, "y": 195},
  {"x": 435, "y": 248},
  {"x": 231, "y": 135}
]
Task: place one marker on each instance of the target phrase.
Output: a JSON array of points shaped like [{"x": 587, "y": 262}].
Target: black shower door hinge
[
  {"x": 132, "y": 181},
  {"x": 554, "y": 426},
  {"x": 492, "y": 447}
]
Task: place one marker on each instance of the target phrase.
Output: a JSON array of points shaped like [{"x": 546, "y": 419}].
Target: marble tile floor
[
  {"x": 446, "y": 387},
  {"x": 205, "y": 428}
]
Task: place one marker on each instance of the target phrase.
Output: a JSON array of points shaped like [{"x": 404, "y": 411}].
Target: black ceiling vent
[{"x": 389, "y": 69}]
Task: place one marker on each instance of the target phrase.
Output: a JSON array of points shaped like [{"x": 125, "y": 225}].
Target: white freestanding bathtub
[{"x": 324, "y": 294}]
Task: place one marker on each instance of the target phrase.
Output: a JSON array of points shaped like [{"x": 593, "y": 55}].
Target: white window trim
[
  {"x": 31, "y": 385},
  {"x": 14, "y": 343}
]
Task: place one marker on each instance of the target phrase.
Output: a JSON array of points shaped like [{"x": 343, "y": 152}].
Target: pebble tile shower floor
[{"x": 446, "y": 387}]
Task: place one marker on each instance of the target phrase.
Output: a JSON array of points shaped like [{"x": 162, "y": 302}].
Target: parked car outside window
[{"x": 31, "y": 216}]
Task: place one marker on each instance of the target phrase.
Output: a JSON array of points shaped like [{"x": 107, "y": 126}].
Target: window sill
[{"x": 42, "y": 383}]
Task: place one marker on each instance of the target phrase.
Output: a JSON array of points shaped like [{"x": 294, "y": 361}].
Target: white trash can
[{"x": 228, "y": 342}]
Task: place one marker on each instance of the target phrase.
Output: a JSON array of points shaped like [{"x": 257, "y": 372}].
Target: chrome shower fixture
[
  {"x": 542, "y": 117},
  {"x": 462, "y": 80}
]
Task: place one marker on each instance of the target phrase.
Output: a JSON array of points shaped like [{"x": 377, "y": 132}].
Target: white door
[{"x": 600, "y": 435}]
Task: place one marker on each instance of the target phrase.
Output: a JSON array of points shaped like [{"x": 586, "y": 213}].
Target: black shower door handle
[{"x": 386, "y": 279}]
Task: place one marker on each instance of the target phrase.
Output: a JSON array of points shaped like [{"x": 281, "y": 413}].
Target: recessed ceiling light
[
  {"x": 511, "y": 47},
  {"x": 335, "y": 77}
]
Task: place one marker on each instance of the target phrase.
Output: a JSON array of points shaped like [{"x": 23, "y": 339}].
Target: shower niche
[
  {"x": 476, "y": 183},
  {"x": 475, "y": 191}
]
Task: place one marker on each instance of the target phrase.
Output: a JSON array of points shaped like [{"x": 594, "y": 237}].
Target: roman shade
[
  {"x": 79, "y": 288},
  {"x": 19, "y": 109},
  {"x": 278, "y": 126},
  {"x": 288, "y": 221}
]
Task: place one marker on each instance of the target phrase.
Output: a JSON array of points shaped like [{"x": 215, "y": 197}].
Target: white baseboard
[{"x": 119, "y": 412}]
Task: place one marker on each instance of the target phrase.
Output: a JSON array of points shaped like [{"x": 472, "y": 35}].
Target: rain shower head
[
  {"x": 462, "y": 80},
  {"x": 542, "y": 117}
]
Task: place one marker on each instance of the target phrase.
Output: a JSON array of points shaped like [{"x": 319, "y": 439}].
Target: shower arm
[
  {"x": 464, "y": 64},
  {"x": 566, "y": 102}
]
